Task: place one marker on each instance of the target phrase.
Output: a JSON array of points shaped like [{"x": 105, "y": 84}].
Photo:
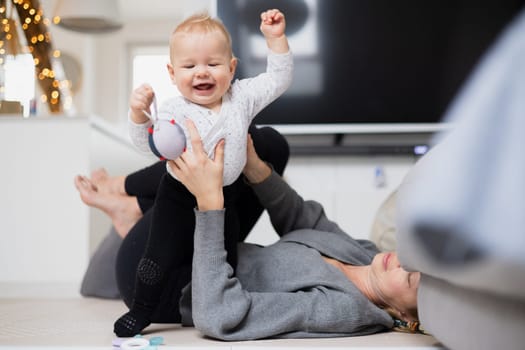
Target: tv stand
[
  {"x": 363, "y": 150},
  {"x": 359, "y": 140}
]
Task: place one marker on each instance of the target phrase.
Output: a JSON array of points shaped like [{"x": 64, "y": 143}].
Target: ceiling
[
  {"x": 150, "y": 9},
  {"x": 162, "y": 9}
]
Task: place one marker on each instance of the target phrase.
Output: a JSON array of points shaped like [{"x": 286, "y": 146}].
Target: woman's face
[{"x": 396, "y": 287}]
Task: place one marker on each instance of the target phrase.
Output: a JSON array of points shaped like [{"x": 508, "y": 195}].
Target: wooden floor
[{"x": 87, "y": 323}]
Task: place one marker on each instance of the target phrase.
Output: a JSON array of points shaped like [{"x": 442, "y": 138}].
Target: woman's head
[
  {"x": 202, "y": 64},
  {"x": 395, "y": 288}
]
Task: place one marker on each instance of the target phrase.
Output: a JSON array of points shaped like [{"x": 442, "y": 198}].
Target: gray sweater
[{"x": 285, "y": 290}]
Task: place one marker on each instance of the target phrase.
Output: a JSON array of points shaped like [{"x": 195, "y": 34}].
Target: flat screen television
[{"x": 374, "y": 63}]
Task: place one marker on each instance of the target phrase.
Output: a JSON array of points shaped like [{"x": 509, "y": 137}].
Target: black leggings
[{"x": 270, "y": 146}]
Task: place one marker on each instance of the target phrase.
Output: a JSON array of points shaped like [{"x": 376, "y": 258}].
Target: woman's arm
[
  {"x": 223, "y": 309},
  {"x": 287, "y": 209}
]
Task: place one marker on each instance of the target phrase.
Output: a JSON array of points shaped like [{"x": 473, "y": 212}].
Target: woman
[
  {"x": 128, "y": 201},
  {"x": 316, "y": 281}
]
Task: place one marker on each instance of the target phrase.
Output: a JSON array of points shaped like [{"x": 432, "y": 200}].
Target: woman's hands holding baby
[{"x": 203, "y": 177}]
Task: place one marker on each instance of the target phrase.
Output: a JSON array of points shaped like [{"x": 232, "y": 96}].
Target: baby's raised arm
[{"x": 273, "y": 26}]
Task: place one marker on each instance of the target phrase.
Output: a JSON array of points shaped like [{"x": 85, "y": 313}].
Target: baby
[{"x": 202, "y": 66}]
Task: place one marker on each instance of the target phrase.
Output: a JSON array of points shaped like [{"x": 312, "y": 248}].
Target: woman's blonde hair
[
  {"x": 202, "y": 23},
  {"x": 408, "y": 327},
  {"x": 413, "y": 326}
]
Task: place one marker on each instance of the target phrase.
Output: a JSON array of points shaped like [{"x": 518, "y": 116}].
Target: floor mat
[{"x": 87, "y": 323}]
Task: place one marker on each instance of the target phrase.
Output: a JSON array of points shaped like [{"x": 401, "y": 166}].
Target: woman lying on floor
[{"x": 316, "y": 281}]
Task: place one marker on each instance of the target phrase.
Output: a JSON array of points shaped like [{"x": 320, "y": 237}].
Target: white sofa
[{"x": 461, "y": 210}]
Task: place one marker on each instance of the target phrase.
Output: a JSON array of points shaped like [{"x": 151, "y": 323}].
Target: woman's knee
[{"x": 271, "y": 146}]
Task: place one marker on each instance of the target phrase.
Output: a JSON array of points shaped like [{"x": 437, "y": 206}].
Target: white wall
[
  {"x": 106, "y": 79},
  {"x": 346, "y": 187},
  {"x": 44, "y": 229}
]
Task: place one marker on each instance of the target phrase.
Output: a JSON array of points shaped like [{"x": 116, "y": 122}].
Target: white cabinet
[{"x": 44, "y": 229}]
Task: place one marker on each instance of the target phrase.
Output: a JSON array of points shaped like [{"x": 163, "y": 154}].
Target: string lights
[{"x": 38, "y": 44}]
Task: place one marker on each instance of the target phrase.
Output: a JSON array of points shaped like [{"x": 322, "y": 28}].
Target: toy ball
[{"x": 167, "y": 139}]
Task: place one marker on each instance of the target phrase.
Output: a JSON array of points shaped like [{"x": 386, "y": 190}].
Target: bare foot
[
  {"x": 99, "y": 174},
  {"x": 123, "y": 210},
  {"x": 107, "y": 184}
]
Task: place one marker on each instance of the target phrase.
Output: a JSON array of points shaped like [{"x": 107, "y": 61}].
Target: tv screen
[{"x": 368, "y": 61}]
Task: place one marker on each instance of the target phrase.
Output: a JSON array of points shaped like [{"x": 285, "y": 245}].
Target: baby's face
[{"x": 202, "y": 67}]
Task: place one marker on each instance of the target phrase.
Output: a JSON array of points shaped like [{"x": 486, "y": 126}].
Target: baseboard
[{"x": 39, "y": 289}]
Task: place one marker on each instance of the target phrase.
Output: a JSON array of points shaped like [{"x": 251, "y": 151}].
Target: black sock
[
  {"x": 148, "y": 290},
  {"x": 131, "y": 323}
]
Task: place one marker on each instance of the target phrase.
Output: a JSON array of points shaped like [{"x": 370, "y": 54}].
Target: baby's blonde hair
[{"x": 202, "y": 23}]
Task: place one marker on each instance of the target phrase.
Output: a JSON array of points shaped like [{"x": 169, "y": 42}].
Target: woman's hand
[
  {"x": 255, "y": 170},
  {"x": 201, "y": 175}
]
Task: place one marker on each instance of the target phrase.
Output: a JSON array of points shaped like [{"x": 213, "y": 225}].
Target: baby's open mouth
[{"x": 203, "y": 86}]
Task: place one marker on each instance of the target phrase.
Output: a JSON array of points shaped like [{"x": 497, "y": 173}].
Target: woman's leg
[
  {"x": 122, "y": 198},
  {"x": 144, "y": 184},
  {"x": 123, "y": 210}
]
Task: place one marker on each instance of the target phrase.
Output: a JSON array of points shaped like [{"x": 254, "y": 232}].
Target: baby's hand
[
  {"x": 272, "y": 23},
  {"x": 139, "y": 101}
]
